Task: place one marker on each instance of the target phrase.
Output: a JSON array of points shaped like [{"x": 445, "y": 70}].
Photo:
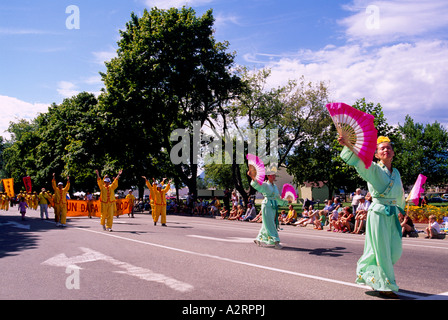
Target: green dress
[
  {"x": 383, "y": 246},
  {"x": 268, "y": 233}
]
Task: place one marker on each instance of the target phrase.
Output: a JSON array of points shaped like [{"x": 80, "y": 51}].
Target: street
[{"x": 197, "y": 258}]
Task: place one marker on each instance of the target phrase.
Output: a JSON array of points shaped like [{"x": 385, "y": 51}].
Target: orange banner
[
  {"x": 78, "y": 208},
  {"x": 8, "y": 187}
]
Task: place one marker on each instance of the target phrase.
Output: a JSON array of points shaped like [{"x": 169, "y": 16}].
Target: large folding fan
[
  {"x": 414, "y": 195},
  {"x": 256, "y": 166},
  {"x": 289, "y": 193},
  {"x": 357, "y": 128}
]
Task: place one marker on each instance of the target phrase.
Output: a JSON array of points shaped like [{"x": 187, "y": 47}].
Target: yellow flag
[{"x": 8, "y": 186}]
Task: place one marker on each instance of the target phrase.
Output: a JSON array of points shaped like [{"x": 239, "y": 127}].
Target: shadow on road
[
  {"x": 329, "y": 252},
  {"x": 17, "y": 235}
]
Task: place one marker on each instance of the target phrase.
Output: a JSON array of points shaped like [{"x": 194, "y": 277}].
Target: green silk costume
[
  {"x": 268, "y": 233},
  {"x": 383, "y": 244}
]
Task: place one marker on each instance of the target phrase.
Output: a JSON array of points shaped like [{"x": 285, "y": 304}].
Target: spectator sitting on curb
[
  {"x": 433, "y": 229},
  {"x": 224, "y": 212},
  {"x": 304, "y": 219},
  {"x": 251, "y": 213},
  {"x": 320, "y": 223},
  {"x": 291, "y": 217}
]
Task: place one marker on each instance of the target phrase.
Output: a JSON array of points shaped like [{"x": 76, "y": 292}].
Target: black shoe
[
  {"x": 163, "y": 225},
  {"x": 389, "y": 294}
]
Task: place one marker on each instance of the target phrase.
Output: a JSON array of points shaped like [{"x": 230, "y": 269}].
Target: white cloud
[
  {"x": 166, "y": 4},
  {"x": 102, "y": 56},
  {"x": 18, "y": 31},
  {"x": 13, "y": 109},
  {"x": 403, "y": 65},
  {"x": 377, "y": 22},
  {"x": 67, "y": 89},
  {"x": 221, "y": 20},
  {"x": 406, "y": 78},
  {"x": 94, "y": 80}
]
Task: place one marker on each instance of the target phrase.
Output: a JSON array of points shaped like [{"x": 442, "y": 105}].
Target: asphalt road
[{"x": 197, "y": 258}]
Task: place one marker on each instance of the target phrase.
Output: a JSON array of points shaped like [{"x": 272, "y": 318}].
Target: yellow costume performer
[
  {"x": 130, "y": 198},
  {"x": 160, "y": 202},
  {"x": 60, "y": 201},
  {"x": 107, "y": 198}
]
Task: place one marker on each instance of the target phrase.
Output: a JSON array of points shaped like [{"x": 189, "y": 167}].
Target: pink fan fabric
[
  {"x": 258, "y": 164},
  {"x": 362, "y": 125},
  {"x": 288, "y": 190},
  {"x": 417, "y": 189}
]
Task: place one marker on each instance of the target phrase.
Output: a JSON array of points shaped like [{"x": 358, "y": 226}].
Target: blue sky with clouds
[{"x": 392, "y": 52}]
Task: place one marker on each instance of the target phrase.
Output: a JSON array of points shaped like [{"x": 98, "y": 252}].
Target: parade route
[{"x": 197, "y": 258}]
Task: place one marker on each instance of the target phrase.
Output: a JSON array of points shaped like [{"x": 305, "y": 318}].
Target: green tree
[
  {"x": 295, "y": 110},
  {"x": 20, "y": 153},
  {"x": 422, "y": 149},
  {"x": 169, "y": 72}
]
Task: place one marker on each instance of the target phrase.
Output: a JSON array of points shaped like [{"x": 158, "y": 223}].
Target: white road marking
[
  {"x": 230, "y": 260},
  {"x": 16, "y": 225},
  {"x": 440, "y": 296},
  {"x": 90, "y": 255},
  {"x": 231, "y": 239}
]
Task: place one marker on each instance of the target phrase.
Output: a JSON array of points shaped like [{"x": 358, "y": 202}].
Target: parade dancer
[
  {"x": 107, "y": 198},
  {"x": 60, "y": 201},
  {"x": 383, "y": 244},
  {"x": 130, "y": 199},
  {"x": 151, "y": 197},
  {"x": 159, "y": 201},
  {"x": 268, "y": 233}
]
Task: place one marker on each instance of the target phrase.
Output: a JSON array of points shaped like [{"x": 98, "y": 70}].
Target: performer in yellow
[
  {"x": 6, "y": 201},
  {"x": 60, "y": 201},
  {"x": 151, "y": 197},
  {"x": 107, "y": 198},
  {"x": 34, "y": 200},
  {"x": 130, "y": 199},
  {"x": 2, "y": 201},
  {"x": 160, "y": 201}
]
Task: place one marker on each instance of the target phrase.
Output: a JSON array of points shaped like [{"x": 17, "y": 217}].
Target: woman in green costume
[
  {"x": 383, "y": 246},
  {"x": 268, "y": 233}
]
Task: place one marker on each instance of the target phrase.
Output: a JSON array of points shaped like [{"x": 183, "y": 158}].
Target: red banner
[
  {"x": 27, "y": 183},
  {"x": 78, "y": 208}
]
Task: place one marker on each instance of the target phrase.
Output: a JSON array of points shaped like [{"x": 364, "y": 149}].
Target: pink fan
[
  {"x": 417, "y": 189},
  {"x": 256, "y": 168},
  {"x": 357, "y": 128},
  {"x": 289, "y": 193}
]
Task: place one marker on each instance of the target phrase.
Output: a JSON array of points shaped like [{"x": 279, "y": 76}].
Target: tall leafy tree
[
  {"x": 69, "y": 141},
  {"x": 295, "y": 110},
  {"x": 422, "y": 149},
  {"x": 169, "y": 72},
  {"x": 20, "y": 154}
]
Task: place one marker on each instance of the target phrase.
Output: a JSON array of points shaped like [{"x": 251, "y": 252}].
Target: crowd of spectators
[{"x": 334, "y": 217}]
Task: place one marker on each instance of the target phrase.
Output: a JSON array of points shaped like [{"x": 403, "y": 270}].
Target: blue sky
[{"x": 392, "y": 52}]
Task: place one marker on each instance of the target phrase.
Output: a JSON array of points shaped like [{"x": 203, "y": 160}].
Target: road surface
[{"x": 197, "y": 258}]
